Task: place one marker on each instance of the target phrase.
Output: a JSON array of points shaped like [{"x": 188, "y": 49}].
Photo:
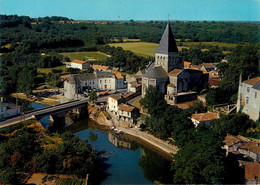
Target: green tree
[
  {"x": 92, "y": 96},
  {"x": 154, "y": 101},
  {"x": 201, "y": 160},
  {"x": 25, "y": 82}
]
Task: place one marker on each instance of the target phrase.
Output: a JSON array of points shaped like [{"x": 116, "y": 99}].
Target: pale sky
[{"x": 219, "y": 10}]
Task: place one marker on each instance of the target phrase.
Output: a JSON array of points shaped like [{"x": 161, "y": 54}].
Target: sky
[{"x": 218, "y": 10}]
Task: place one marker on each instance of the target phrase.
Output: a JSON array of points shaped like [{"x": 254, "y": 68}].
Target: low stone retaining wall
[{"x": 151, "y": 139}]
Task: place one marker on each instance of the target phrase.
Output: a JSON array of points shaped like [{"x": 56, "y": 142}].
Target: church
[{"x": 167, "y": 73}]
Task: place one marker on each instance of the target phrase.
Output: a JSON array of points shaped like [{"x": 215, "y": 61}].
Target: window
[
  {"x": 255, "y": 94},
  {"x": 247, "y": 100},
  {"x": 105, "y": 81},
  {"x": 248, "y": 89},
  {"x": 128, "y": 113}
]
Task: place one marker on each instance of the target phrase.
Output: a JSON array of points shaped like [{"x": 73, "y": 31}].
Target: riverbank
[
  {"x": 46, "y": 101},
  {"x": 99, "y": 117}
]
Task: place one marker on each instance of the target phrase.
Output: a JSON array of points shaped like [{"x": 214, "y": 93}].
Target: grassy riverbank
[{"x": 45, "y": 101}]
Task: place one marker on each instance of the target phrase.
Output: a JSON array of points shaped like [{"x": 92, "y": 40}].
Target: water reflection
[{"x": 127, "y": 160}]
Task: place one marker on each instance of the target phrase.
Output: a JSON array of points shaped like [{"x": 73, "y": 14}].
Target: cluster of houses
[
  {"x": 178, "y": 80},
  {"x": 246, "y": 147}
]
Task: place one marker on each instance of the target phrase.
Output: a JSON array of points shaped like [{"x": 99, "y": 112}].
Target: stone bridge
[{"x": 57, "y": 113}]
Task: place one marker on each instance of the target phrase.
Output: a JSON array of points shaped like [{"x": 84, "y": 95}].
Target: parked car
[
  {"x": 105, "y": 93},
  {"x": 114, "y": 92}
]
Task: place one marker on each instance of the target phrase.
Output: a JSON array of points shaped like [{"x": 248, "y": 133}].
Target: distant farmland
[
  {"x": 144, "y": 49},
  {"x": 147, "y": 49},
  {"x": 85, "y": 55}
]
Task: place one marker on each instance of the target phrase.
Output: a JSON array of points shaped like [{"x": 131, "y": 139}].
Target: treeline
[
  {"x": 196, "y": 56},
  {"x": 200, "y": 159},
  {"x": 19, "y": 28}
]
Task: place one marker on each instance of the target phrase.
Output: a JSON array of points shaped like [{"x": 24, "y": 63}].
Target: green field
[
  {"x": 147, "y": 49},
  {"x": 48, "y": 70},
  {"x": 85, "y": 55},
  {"x": 144, "y": 49}
]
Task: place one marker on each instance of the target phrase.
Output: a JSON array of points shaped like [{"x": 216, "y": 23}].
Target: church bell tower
[{"x": 167, "y": 55}]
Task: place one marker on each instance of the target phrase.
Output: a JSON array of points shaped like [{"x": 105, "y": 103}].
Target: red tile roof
[
  {"x": 204, "y": 116},
  {"x": 252, "y": 146},
  {"x": 252, "y": 81},
  {"x": 117, "y": 74},
  {"x": 100, "y": 67},
  {"x": 115, "y": 96},
  {"x": 230, "y": 140},
  {"x": 125, "y": 107},
  {"x": 252, "y": 169},
  {"x": 175, "y": 72},
  {"x": 79, "y": 61}
]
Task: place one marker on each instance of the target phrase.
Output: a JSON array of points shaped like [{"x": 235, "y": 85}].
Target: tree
[
  {"x": 53, "y": 79},
  {"x": 25, "y": 81},
  {"x": 154, "y": 101},
  {"x": 92, "y": 96},
  {"x": 201, "y": 160}
]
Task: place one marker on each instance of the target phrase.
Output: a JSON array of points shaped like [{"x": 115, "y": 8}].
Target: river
[{"x": 128, "y": 159}]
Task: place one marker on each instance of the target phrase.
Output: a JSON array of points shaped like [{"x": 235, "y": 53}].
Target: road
[{"x": 45, "y": 111}]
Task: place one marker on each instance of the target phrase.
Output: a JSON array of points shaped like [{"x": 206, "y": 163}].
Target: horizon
[{"x": 144, "y": 10}]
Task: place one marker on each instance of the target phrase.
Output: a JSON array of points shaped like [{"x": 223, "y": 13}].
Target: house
[
  {"x": 134, "y": 87},
  {"x": 203, "y": 118},
  {"x": 114, "y": 101},
  {"x": 167, "y": 73},
  {"x": 128, "y": 113},
  {"x": 248, "y": 100},
  {"x": 78, "y": 64},
  {"x": 110, "y": 80},
  {"x": 101, "y": 68},
  {"x": 207, "y": 67},
  {"x": 252, "y": 171},
  {"x": 120, "y": 80},
  {"x": 103, "y": 80},
  {"x": 232, "y": 143},
  {"x": 251, "y": 149},
  {"x": 8, "y": 110},
  {"x": 76, "y": 84}
]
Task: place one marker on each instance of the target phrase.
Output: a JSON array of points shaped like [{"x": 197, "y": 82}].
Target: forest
[
  {"x": 31, "y": 43},
  {"x": 19, "y": 28}
]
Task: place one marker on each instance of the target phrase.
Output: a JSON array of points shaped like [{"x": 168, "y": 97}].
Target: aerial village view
[{"x": 129, "y": 92}]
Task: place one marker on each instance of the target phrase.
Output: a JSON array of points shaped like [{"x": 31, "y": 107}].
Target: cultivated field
[
  {"x": 144, "y": 49},
  {"x": 85, "y": 55},
  {"x": 147, "y": 49}
]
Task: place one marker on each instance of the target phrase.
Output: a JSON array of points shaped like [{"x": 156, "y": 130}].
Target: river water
[{"x": 128, "y": 160}]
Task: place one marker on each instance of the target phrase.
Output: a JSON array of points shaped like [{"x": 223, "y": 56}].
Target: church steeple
[
  {"x": 167, "y": 55},
  {"x": 167, "y": 43}
]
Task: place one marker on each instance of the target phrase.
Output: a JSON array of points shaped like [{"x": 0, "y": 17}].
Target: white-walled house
[
  {"x": 128, "y": 113},
  {"x": 248, "y": 100},
  {"x": 102, "y": 80},
  {"x": 78, "y": 64},
  {"x": 113, "y": 102}
]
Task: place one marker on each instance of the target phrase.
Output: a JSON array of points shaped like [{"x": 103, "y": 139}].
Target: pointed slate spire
[{"x": 167, "y": 43}]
